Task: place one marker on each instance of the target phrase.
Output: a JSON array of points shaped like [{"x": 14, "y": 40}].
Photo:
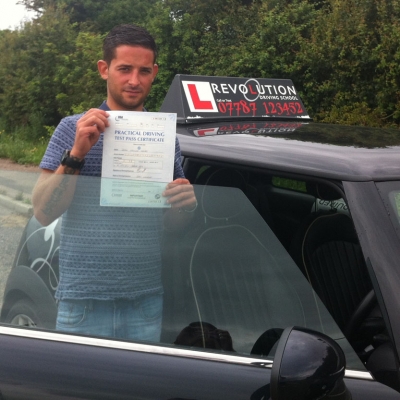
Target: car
[{"x": 284, "y": 284}]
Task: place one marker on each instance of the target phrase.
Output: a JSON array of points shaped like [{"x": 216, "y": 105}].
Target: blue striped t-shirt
[{"x": 106, "y": 253}]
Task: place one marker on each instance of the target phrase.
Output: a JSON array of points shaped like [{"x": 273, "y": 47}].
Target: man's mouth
[{"x": 133, "y": 91}]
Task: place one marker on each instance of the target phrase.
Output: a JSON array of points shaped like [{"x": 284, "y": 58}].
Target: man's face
[{"x": 129, "y": 77}]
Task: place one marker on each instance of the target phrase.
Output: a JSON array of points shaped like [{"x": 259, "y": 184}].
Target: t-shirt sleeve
[
  {"x": 178, "y": 171},
  {"x": 63, "y": 138}
]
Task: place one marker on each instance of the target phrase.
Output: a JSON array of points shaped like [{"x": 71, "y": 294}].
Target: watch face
[{"x": 64, "y": 156}]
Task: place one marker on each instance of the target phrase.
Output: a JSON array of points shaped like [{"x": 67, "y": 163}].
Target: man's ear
[
  {"x": 155, "y": 71},
  {"x": 102, "y": 67}
]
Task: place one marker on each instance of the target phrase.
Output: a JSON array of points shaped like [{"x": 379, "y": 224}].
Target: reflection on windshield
[
  {"x": 222, "y": 281},
  {"x": 236, "y": 275},
  {"x": 357, "y": 136}
]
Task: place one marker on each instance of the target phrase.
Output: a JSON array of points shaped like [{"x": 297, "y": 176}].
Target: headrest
[
  {"x": 330, "y": 227},
  {"x": 217, "y": 200}
]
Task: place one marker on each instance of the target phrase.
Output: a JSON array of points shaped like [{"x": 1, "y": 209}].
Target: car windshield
[{"x": 226, "y": 282}]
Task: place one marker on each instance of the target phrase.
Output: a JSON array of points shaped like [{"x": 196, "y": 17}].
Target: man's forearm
[{"x": 53, "y": 194}]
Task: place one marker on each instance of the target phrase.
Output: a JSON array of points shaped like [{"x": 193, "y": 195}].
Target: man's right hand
[
  {"x": 54, "y": 190},
  {"x": 88, "y": 130}
]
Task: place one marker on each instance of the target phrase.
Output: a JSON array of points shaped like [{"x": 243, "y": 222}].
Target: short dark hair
[{"x": 130, "y": 35}]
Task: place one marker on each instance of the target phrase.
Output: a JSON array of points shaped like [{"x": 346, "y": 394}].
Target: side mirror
[{"x": 308, "y": 365}]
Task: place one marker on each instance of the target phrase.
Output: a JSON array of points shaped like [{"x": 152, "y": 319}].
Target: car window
[
  {"x": 289, "y": 183},
  {"x": 240, "y": 278},
  {"x": 221, "y": 282}
]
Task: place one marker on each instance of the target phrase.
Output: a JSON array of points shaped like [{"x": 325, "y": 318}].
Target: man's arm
[
  {"x": 53, "y": 193},
  {"x": 55, "y": 190}
]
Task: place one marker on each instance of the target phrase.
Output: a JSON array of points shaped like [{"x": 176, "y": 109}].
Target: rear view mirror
[{"x": 308, "y": 365}]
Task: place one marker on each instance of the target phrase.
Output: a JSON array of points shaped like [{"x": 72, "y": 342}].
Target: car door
[{"x": 230, "y": 290}]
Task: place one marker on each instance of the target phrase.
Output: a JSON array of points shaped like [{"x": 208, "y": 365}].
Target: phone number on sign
[{"x": 243, "y": 107}]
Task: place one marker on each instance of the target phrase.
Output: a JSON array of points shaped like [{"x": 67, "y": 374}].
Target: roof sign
[{"x": 210, "y": 98}]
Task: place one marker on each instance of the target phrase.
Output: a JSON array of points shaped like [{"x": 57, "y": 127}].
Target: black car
[{"x": 284, "y": 285}]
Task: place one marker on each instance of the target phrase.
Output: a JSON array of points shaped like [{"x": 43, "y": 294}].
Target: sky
[{"x": 11, "y": 14}]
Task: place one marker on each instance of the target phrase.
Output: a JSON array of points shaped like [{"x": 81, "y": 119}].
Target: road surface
[
  {"x": 16, "y": 184},
  {"x": 11, "y": 228}
]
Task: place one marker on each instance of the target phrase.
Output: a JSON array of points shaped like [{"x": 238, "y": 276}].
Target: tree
[
  {"x": 95, "y": 15},
  {"x": 351, "y": 63},
  {"x": 29, "y": 88},
  {"x": 182, "y": 29},
  {"x": 39, "y": 6},
  {"x": 101, "y": 16},
  {"x": 342, "y": 55},
  {"x": 80, "y": 85}
]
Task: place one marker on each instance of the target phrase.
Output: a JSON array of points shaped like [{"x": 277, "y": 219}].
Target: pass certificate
[{"x": 138, "y": 158}]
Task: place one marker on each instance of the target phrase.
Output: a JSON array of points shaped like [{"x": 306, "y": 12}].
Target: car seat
[{"x": 327, "y": 251}]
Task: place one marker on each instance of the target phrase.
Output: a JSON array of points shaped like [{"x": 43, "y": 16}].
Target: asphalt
[
  {"x": 16, "y": 191},
  {"x": 16, "y": 205}
]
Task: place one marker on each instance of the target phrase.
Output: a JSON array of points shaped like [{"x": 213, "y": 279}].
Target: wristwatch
[{"x": 71, "y": 162}]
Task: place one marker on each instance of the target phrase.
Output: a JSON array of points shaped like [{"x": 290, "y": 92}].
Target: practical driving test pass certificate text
[{"x": 138, "y": 158}]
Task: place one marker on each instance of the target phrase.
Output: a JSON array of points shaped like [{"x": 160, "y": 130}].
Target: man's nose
[{"x": 134, "y": 79}]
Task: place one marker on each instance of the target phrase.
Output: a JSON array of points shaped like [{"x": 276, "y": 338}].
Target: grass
[{"x": 21, "y": 151}]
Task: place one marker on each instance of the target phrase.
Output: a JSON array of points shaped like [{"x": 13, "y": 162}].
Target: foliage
[
  {"x": 95, "y": 15},
  {"x": 352, "y": 59},
  {"x": 229, "y": 38},
  {"x": 38, "y": 5},
  {"x": 78, "y": 77},
  {"x": 28, "y": 86},
  {"x": 342, "y": 55},
  {"x": 105, "y": 14},
  {"x": 21, "y": 150}
]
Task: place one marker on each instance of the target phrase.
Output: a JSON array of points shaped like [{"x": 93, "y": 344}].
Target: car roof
[{"x": 346, "y": 153}]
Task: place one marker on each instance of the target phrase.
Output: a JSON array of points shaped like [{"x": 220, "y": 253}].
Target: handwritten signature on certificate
[{"x": 138, "y": 158}]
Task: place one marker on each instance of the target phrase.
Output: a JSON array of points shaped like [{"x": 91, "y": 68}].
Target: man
[{"x": 110, "y": 261}]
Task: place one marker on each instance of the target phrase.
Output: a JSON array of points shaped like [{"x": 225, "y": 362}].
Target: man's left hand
[{"x": 181, "y": 195}]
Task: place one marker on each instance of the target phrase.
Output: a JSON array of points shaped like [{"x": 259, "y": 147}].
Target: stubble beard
[
  {"x": 132, "y": 105},
  {"x": 123, "y": 102}
]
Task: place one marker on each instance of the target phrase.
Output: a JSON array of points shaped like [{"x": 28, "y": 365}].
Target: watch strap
[{"x": 71, "y": 161}]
